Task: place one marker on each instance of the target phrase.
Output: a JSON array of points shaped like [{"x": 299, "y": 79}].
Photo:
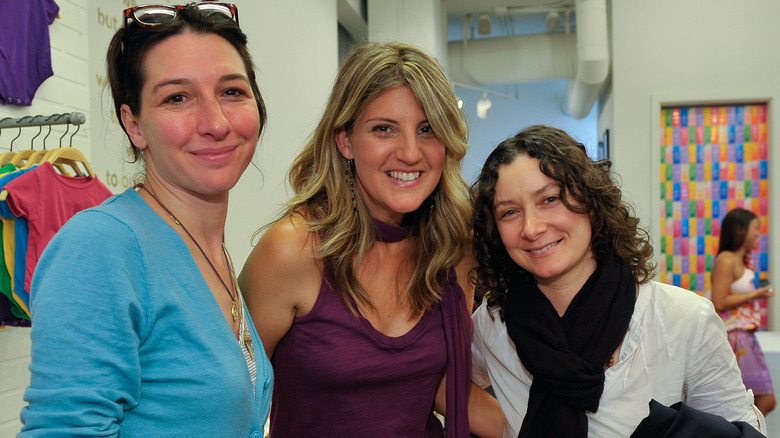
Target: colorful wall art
[{"x": 713, "y": 159}]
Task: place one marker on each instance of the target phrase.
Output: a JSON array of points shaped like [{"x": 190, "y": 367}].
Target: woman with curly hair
[
  {"x": 361, "y": 291},
  {"x": 572, "y": 334}
]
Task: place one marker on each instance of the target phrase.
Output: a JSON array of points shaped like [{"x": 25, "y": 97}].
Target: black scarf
[{"x": 566, "y": 355}]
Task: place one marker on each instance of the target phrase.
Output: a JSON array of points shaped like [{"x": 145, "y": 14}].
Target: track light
[
  {"x": 483, "y": 106},
  {"x": 483, "y": 24},
  {"x": 553, "y": 20},
  {"x": 460, "y": 103}
]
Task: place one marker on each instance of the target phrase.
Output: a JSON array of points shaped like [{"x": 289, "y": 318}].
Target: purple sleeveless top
[{"x": 335, "y": 375}]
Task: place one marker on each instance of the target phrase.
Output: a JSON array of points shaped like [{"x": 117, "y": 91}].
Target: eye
[
  {"x": 550, "y": 199},
  {"x": 234, "y": 92},
  {"x": 508, "y": 213},
  {"x": 381, "y": 128},
  {"x": 174, "y": 98},
  {"x": 426, "y": 129}
]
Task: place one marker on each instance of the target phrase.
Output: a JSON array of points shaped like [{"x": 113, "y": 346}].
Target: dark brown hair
[
  {"x": 586, "y": 188},
  {"x": 734, "y": 229},
  {"x": 131, "y": 43}
]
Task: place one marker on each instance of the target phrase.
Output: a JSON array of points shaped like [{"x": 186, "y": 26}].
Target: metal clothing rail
[{"x": 74, "y": 118}]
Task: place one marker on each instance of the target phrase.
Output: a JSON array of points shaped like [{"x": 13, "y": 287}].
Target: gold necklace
[{"x": 234, "y": 293}]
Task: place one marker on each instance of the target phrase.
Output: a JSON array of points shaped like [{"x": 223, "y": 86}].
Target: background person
[
  {"x": 360, "y": 291},
  {"x": 572, "y": 334},
  {"x": 733, "y": 294},
  {"x": 139, "y": 328}
]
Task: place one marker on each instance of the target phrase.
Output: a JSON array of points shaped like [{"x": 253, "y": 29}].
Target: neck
[
  {"x": 741, "y": 254},
  {"x": 203, "y": 217},
  {"x": 562, "y": 290}
]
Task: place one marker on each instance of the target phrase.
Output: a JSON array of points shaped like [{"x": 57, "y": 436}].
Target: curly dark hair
[{"x": 586, "y": 187}]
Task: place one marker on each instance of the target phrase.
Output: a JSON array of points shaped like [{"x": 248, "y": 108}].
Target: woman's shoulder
[
  {"x": 726, "y": 259},
  {"x": 104, "y": 224},
  {"x": 290, "y": 231},
  {"x": 287, "y": 245},
  {"x": 671, "y": 303}
]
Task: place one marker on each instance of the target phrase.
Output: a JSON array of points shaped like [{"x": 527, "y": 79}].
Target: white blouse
[{"x": 675, "y": 350}]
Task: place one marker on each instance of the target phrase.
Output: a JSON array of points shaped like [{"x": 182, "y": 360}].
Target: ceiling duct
[
  {"x": 592, "y": 57},
  {"x": 507, "y": 60},
  {"x": 582, "y": 58}
]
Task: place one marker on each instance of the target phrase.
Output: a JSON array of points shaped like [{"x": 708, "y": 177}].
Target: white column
[{"x": 419, "y": 22}]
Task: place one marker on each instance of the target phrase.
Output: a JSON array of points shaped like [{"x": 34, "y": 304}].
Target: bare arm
[
  {"x": 722, "y": 276},
  {"x": 485, "y": 416},
  {"x": 280, "y": 279}
]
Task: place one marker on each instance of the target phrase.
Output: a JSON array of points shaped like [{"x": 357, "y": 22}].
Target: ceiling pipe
[
  {"x": 592, "y": 58},
  {"x": 509, "y": 60},
  {"x": 583, "y": 58}
]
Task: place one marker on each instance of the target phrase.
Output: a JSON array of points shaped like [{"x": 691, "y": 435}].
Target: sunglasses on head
[{"x": 153, "y": 15}]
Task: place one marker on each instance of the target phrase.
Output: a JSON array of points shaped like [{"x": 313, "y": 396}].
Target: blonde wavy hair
[{"x": 441, "y": 226}]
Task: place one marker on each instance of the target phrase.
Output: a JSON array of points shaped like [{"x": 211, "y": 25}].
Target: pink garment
[
  {"x": 47, "y": 200},
  {"x": 748, "y": 315},
  {"x": 751, "y": 361}
]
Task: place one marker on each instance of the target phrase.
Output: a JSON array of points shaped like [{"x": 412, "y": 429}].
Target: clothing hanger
[
  {"x": 37, "y": 157},
  {"x": 61, "y": 158},
  {"x": 40, "y": 155},
  {"x": 36, "y": 154},
  {"x": 71, "y": 157},
  {"x": 20, "y": 158}
]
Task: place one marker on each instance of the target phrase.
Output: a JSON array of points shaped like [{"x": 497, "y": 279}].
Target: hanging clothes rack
[
  {"x": 74, "y": 118},
  {"x": 60, "y": 157},
  {"x": 40, "y": 189}
]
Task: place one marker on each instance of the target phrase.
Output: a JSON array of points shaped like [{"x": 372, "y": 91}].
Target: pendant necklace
[{"x": 233, "y": 294}]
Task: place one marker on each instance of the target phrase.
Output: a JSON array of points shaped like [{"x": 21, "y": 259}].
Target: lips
[
  {"x": 543, "y": 249},
  {"x": 215, "y": 154}
]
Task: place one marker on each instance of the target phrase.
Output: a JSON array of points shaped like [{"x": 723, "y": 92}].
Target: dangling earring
[{"x": 351, "y": 182}]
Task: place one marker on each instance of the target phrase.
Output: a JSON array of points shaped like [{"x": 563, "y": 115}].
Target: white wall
[
  {"x": 672, "y": 52},
  {"x": 295, "y": 47}
]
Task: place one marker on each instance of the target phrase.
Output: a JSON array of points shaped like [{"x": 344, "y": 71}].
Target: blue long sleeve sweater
[{"x": 127, "y": 337}]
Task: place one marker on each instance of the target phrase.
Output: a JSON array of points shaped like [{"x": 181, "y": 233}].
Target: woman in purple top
[{"x": 361, "y": 291}]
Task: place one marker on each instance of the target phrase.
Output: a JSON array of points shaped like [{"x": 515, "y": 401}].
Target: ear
[
  {"x": 131, "y": 126},
  {"x": 344, "y": 144}
]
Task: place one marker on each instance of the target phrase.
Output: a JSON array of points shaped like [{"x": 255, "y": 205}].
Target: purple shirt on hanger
[{"x": 25, "y": 51}]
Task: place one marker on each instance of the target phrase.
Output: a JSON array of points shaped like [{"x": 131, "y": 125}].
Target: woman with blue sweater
[{"x": 139, "y": 328}]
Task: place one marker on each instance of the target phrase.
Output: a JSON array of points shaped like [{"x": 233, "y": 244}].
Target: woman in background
[
  {"x": 139, "y": 329},
  {"x": 573, "y": 336},
  {"x": 734, "y": 294},
  {"x": 361, "y": 290}
]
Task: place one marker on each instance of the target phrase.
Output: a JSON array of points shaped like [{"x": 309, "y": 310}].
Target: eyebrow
[
  {"x": 390, "y": 120},
  {"x": 381, "y": 119},
  {"x": 183, "y": 81},
  {"x": 535, "y": 193}
]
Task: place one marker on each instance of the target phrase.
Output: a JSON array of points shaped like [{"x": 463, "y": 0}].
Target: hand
[{"x": 765, "y": 292}]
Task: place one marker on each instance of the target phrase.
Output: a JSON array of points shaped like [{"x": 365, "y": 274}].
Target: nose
[
  {"x": 409, "y": 150},
  {"x": 212, "y": 119},
  {"x": 533, "y": 225}
]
